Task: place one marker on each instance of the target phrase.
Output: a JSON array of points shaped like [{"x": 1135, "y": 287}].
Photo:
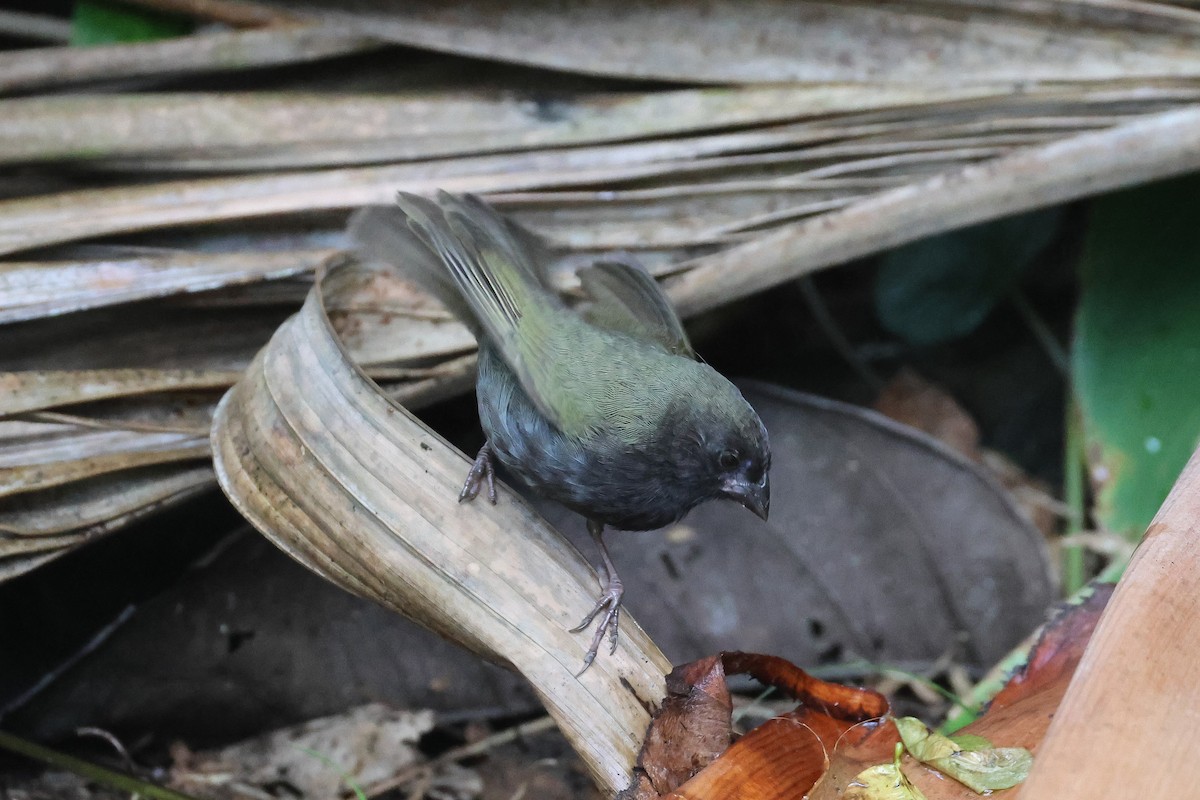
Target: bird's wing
[
  {"x": 499, "y": 273},
  {"x": 626, "y": 299}
]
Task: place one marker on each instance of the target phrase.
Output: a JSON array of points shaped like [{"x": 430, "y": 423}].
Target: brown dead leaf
[
  {"x": 694, "y": 727},
  {"x": 1053, "y": 659},
  {"x": 782, "y": 758},
  {"x": 691, "y": 729},
  {"x": 912, "y": 400}
]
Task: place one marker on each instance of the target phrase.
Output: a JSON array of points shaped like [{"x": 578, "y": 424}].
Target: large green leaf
[
  {"x": 95, "y": 22},
  {"x": 1137, "y": 347},
  {"x": 943, "y": 287}
]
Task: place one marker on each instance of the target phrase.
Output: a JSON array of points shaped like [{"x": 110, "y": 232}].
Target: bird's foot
[
  {"x": 481, "y": 470},
  {"x": 614, "y": 590}
]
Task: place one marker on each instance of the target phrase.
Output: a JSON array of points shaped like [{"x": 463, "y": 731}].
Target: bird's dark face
[
  {"x": 730, "y": 456},
  {"x": 743, "y": 461}
]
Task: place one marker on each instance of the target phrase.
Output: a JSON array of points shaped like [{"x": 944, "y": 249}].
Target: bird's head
[{"x": 730, "y": 455}]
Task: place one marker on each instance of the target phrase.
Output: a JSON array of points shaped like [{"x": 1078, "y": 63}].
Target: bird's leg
[
  {"x": 482, "y": 469},
  {"x": 610, "y": 598}
]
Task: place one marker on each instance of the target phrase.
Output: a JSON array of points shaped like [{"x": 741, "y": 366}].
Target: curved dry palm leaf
[
  {"x": 769, "y": 41},
  {"x": 25, "y": 70},
  {"x": 677, "y": 162},
  {"x": 357, "y": 489}
]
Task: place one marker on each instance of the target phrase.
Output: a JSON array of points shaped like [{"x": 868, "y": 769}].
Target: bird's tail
[
  {"x": 382, "y": 234},
  {"x": 486, "y": 269}
]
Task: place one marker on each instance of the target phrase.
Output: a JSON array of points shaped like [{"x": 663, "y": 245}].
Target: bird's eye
[{"x": 728, "y": 459}]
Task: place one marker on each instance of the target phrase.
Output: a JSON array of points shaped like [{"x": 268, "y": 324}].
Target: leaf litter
[{"x": 842, "y": 742}]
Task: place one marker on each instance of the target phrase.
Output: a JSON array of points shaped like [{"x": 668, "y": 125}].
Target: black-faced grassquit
[{"x": 603, "y": 407}]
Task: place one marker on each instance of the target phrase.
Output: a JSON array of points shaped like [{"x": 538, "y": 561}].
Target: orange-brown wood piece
[{"x": 1128, "y": 724}]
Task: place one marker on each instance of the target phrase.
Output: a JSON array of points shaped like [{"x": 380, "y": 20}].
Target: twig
[
  {"x": 816, "y": 306},
  {"x": 1041, "y": 331},
  {"x": 113, "y": 741},
  {"x": 50, "y": 677}
]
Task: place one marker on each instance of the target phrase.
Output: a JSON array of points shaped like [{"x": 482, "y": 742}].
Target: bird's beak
[{"x": 754, "y": 496}]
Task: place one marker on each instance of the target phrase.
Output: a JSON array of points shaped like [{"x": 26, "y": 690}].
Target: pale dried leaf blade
[
  {"x": 30, "y": 222},
  {"x": 1149, "y": 147},
  {"x": 775, "y": 41},
  {"x": 41, "y": 289},
  {"x": 39, "y": 389},
  {"x": 35, "y": 477},
  {"x": 23, "y": 70},
  {"x": 299, "y": 129},
  {"x": 356, "y": 488},
  {"x": 68, "y": 216},
  {"x": 39, "y": 526},
  {"x": 16, "y": 567},
  {"x": 101, "y": 502}
]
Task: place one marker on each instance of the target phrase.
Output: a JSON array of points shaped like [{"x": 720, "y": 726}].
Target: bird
[{"x": 603, "y": 405}]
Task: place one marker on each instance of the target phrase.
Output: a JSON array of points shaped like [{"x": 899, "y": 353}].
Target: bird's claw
[
  {"x": 481, "y": 470},
  {"x": 609, "y": 623}
]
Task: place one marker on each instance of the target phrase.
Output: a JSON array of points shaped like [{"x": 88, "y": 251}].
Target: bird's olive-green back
[{"x": 617, "y": 372}]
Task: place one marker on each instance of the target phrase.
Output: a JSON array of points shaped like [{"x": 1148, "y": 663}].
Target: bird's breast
[{"x": 605, "y": 477}]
